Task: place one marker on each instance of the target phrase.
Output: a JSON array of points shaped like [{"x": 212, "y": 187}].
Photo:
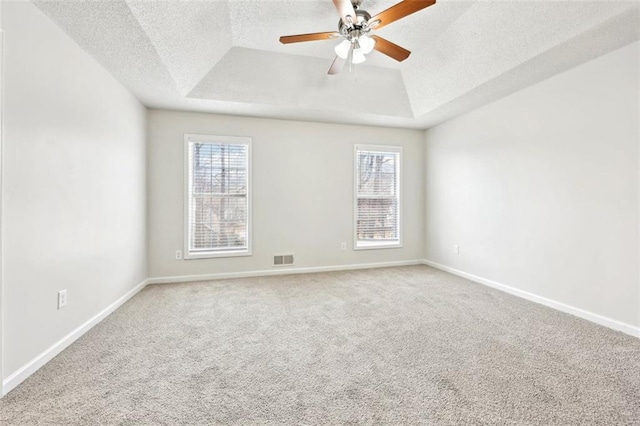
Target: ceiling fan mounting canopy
[{"x": 355, "y": 26}]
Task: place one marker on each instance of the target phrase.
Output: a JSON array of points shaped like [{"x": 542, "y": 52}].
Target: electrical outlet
[
  {"x": 343, "y": 246},
  {"x": 62, "y": 298},
  {"x": 178, "y": 254},
  {"x": 456, "y": 249}
]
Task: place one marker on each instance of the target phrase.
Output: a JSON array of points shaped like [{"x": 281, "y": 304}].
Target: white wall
[
  {"x": 302, "y": 192},
  {"x": 73, "y": 186},
  {"x": 540, "y": 189},
  {"x": 1, "y": 160}
]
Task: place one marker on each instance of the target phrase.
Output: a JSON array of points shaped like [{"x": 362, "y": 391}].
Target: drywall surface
[
  {"x": 1, "y": 157},
  {"x": 540, "y": 189},
  {"x": 302, "y": 192},
  {"x": 73, "y": 186}
]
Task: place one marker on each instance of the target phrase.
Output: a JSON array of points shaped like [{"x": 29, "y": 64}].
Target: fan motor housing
[{"x": 361, "y": 21}]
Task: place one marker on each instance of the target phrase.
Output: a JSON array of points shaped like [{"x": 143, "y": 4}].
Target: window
[
  {"x": 218, "y": 203},
  {"x": 377, "y": 196}
]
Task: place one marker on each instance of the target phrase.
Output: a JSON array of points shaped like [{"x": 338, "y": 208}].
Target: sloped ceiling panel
[
  {"x": 109, "y": 31},
  {"x": 189, "y": 40},
  {"x": 487, "y": 41},
  {"x": 269, "y": 78},
  {"x": 616, "y": 32}
]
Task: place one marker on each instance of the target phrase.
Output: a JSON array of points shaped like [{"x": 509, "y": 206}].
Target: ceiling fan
[{"x": 355, "y": 26}]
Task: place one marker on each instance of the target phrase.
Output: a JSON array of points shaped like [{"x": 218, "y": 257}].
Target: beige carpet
[{"x": 408, "y": 345}]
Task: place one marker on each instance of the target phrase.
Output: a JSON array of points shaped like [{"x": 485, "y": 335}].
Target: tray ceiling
[{"x": 224, "y": 56}]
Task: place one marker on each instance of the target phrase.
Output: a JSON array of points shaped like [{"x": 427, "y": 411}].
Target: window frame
[
  {"x": 382, "y": 149},
  {"x": 228, "y": 140}
]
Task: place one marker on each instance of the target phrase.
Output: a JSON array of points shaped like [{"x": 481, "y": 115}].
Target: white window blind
[
  {"x": 217, "y": 205},
  {"x": 377, "y": 193}
]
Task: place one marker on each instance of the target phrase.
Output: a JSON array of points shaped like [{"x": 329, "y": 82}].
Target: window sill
[
  {"x": 216, "y": 254},
  {"x": 375, "y": 245}
]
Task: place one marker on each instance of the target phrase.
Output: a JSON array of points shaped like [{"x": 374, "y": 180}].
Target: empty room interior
[{"x": 320, "y": 212}]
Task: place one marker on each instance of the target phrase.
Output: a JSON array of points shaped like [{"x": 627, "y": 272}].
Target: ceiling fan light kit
[
  {"x": 357, "y": 57},
  {"x": 355, "y": 25},
  {"x": 366, "y": 44},
  {"x": 343, "y": 49}
]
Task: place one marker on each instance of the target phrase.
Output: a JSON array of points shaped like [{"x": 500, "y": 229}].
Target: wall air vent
[{"x": 282, "y": 259}]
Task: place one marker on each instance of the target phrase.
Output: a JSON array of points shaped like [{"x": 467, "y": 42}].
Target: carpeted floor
[{"x": 407, "y": 345}]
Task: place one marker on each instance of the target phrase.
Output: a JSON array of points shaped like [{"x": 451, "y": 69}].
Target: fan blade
[
  {"x": 337, "y": 65},
  {"x": 308, "y": 37},
  {"x": 392, "y": 50},
  {"x": 345, "y": 8},
  {"x": 399, "y": 11}
]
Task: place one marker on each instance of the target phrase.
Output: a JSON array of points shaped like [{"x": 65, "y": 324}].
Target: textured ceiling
[{"x": 223, "y": 56}]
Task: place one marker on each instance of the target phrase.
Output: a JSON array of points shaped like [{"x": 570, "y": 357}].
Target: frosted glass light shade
[
  {"x": 358, "y": 56},
  {"x": 342, "y": 50},
  {"x": 366, "y": 44}
]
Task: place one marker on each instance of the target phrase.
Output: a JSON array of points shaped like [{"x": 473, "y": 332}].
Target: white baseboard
[
  {"x": 28, "y": 369},
  {"x": 288, "y": 271},
  {"x": 32, "y": 366},
  {"x": 590, "y": 316}
]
